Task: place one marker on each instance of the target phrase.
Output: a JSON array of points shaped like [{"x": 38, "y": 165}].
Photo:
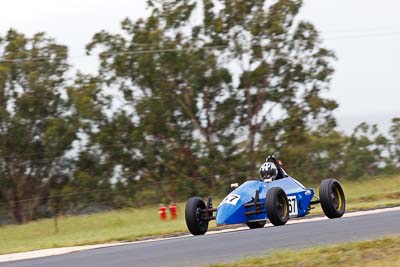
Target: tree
[
  {"x": 364, "y": 152},
  {"x": 280, "y": 62},
  {"x": 181, "y": 100},
  {"x": 35, "y": 129},
  {"x": 283, "y": 69},
  {"x": 187, "y": 83},
  {"x": 394, "y": 151}
]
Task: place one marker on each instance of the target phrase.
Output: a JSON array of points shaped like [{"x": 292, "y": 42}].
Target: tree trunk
[
  {"x": 17, "y": 212},
  {"x": 251, "y": 137},
  {"x": 17, "y": 200},
  {"x": 35, "y": 205},
  {"x": 250, "y": 158},
  {"x": 24, "y": 208},
  {"x": 164, "y": 192},
  {"x": 160, "y": 180},
  {"x": 208, "y": 131}
]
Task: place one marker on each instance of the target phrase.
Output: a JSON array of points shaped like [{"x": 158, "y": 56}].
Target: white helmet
[{"x": 268, "y": 170}]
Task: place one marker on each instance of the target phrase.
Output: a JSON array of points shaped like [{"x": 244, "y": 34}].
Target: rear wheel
[
  {"x": 194, "y": 216},
  {"x": 333, "y": 201},
  {"x": 256, "y": 224},
  {"x": 277, "y": 206}
]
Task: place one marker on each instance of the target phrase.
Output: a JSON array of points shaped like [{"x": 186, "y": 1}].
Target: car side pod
[{"x": 259, "y": 208}]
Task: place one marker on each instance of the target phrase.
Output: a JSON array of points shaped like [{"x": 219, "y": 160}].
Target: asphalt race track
[{"x": 228, "y": 246}]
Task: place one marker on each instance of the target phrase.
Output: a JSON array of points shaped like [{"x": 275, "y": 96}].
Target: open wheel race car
[{"x": 255, "y": 201}]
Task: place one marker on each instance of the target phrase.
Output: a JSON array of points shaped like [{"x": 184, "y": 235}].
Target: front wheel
[
  {"x": 194, "y": 216},
  {"x": 277, "y": 206},
  {"x": 333, "y": 201}
]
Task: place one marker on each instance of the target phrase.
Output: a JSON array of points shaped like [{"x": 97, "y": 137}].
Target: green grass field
[
  {"x": 133, "y": 224},
  {"x": 384, "y": 252}
]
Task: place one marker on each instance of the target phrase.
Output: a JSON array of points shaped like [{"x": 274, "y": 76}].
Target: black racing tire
[
  {"x": 195, "y": 222},
  {"x": 277, "y": 206},
  {"x": 256, "y": 224},
  {"x": 333, "y": 201}
]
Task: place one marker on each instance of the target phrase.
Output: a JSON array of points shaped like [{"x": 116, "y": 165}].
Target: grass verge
[
  {"x": 133, "y": 224},
  {"x": 378, "y": 252}
]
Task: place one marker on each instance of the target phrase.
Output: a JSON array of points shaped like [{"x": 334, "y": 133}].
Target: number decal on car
[
  {"x": 231, "y": 199},
  {"x": 293, "y": 209}
]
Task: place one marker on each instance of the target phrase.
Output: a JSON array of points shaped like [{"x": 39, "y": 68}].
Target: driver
[{"x": 268, "y": 171}]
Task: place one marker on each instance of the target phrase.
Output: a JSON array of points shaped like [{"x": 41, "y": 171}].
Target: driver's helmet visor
[{"x": 269, "y": 175}]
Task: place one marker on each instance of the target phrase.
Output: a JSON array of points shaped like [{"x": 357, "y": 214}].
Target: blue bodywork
[{"x": 232, "y": 210}]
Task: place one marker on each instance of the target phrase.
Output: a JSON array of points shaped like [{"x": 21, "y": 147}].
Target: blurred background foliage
[{"x": 185, "y": 101}]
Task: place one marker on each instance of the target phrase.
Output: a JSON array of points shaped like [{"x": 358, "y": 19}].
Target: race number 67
[{"x": 292, "y": 205}]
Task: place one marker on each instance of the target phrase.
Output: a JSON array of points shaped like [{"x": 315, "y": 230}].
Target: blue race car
[{"x": 255, "y": 201}]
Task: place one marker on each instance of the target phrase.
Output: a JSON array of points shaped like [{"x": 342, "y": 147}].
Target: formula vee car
[{"x": 255, "y": 201}]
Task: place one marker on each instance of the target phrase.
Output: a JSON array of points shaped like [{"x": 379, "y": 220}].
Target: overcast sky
[{"x": 364, "y": 34}]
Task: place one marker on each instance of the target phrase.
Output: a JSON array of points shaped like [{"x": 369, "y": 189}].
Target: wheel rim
[
  {"x": 336, "y": 198},
  {"x": 199, "y": 216},
  {"x": 339, "y": 198},
  {"x": 281, "y": 206}
]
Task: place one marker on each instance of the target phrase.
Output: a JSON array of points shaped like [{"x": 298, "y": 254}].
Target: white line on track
[{"x": 65, "y": 250}]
